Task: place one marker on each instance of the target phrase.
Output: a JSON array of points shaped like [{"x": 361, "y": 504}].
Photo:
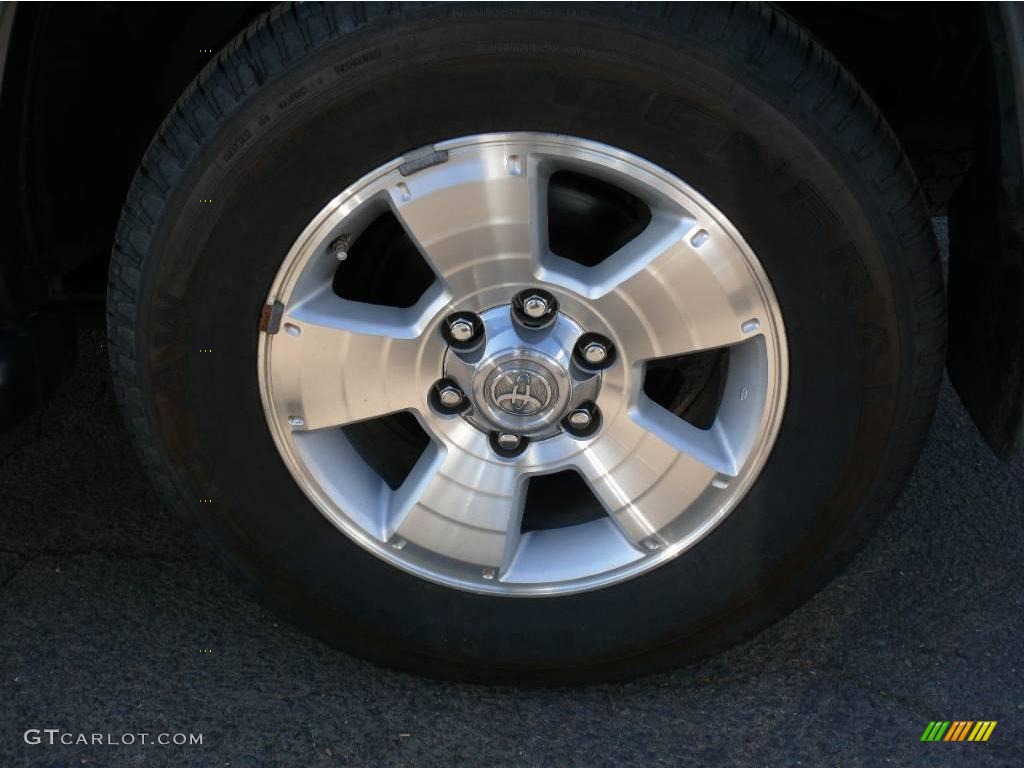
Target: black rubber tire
[{"x": 736, "y": 100}]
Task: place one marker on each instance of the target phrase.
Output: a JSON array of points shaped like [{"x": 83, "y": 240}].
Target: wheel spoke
[
  {"x": 338, "y": 362},
  {"x": 456, "y": 505},
  {"x": 474, "y": 218},
  {"x": 564, "y": 554},
  {"x": 642, "y": 481},
  {"x": 674, "y": 290}
]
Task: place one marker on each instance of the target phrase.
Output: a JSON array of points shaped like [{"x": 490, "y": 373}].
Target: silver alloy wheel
[{"x": 476, "y": 207}]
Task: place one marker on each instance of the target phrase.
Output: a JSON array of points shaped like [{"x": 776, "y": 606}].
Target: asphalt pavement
[{"x": 114, "y": 621}]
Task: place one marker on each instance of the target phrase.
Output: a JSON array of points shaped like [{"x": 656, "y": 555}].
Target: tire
[{"x": 738, "y": 101}]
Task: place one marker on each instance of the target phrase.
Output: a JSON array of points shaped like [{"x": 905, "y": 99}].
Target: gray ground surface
[{"x": 106, "y": 603}]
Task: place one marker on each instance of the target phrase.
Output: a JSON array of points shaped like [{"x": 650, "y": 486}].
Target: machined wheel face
[{"x": 521, "y": 358}]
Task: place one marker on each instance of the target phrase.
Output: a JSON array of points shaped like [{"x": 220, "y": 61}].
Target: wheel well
[
  {"x": 86, "y": 87},
  {"x": 922, "y": 66}
]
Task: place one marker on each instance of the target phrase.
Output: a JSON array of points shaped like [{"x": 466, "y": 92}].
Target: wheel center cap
[
  {"x": 521, "y": 388},
  {"x": 521, "y": 381}
]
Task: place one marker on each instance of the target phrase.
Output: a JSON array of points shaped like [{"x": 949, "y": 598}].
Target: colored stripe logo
[{"x": 959, "y": 730}]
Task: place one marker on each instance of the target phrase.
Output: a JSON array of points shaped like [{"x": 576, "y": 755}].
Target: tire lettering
[
  {"x": 345, "y": 66},
  {"x": 804, "y": 199}
]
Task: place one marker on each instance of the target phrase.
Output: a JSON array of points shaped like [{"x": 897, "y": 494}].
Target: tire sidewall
[{"x": 362, "y": 100}]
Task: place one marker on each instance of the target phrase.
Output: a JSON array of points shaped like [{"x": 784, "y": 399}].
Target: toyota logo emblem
[{"x": 521, "y": 392}]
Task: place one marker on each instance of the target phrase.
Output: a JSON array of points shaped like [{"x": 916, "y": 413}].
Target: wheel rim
[{"x": 477, "y": 210}]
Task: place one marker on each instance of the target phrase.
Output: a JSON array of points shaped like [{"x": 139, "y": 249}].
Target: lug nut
[
  {"x": 450, "y": 397},
  {"x": 535, "y": 305},
  {"x": 507, "y": 444},
  {"x": 583, "y": 421},
  {"x": 461, "y": 330},
  {"x": 534, "y": 308},
  {"x": 595, "y": 353},
  {"x": 580, "y": 418},
  {"x": 447, "y": 397}
]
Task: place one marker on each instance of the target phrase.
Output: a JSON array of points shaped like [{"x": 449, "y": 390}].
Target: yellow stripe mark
[
  {"x": 988, "y": 731},
  {"x": 978, "y": 728}
]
